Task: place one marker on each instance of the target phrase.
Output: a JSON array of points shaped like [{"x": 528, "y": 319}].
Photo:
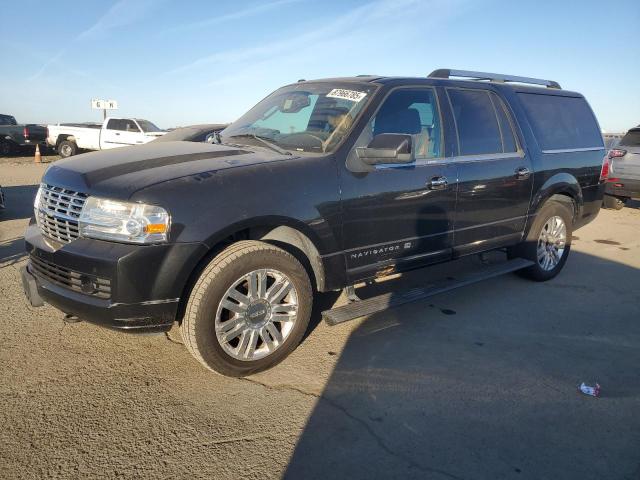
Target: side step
[{"x": 385, "y": 301}]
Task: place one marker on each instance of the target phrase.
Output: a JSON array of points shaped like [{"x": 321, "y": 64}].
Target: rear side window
[
  {"x": 482, "y": 123},
  {"x": 631, "y": 139},
  {"x": 561, "y": 123},
  {"x": 506, "y": 127}
]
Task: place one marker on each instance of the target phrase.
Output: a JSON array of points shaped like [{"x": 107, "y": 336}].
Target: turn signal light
[{"x": 155, "y": 228}]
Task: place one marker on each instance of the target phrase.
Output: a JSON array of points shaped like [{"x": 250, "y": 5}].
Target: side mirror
[{"x": 390, "y": 148}]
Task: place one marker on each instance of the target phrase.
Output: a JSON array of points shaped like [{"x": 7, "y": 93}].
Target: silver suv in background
[{"x": 624, "y": 171}]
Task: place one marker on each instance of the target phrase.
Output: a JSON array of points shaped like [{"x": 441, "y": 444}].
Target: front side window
[
  {"x": 476, "y": 121},
  {"x": 131, "y": 126},
  {"x": 412, "y": 112},
  {"x": 308, "y": 117}
]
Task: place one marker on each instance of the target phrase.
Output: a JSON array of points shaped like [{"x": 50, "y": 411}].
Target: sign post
[{"x": 104, "y": 105}]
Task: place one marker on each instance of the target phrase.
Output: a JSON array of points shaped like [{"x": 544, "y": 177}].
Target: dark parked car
[
  {"x": 193, "y": 133},
  {"x": 14, "y": 136},
  {"x": 624, "y": 171},
  {"x": 321, "y": 185}
]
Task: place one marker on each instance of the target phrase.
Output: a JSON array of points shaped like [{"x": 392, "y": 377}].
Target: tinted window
[
  {"x": 561, "y": 122},
  {"x": 506, "y": 125},
  {"x": 117, "y": 124},
  {"x": 7, "y": 120},
  {"x": 631, "y": 139},
  {"x": 413, "y": 112},
  {"x": 478, "y": 130}
]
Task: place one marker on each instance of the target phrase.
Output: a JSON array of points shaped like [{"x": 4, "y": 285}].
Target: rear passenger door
[{"x": 494, "y": 172}]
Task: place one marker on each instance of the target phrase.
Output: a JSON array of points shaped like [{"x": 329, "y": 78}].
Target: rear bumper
[
  {"x": 623, "y": 188},
  {"x": 145, "y": 283}
]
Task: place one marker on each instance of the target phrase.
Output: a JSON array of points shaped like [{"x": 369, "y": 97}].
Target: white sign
[
  {"x": 99, "y": 104},
  {"x": 353, "y": 95}
]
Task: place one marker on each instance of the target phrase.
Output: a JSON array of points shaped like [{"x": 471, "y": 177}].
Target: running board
[{"x": 385, "y": 301}]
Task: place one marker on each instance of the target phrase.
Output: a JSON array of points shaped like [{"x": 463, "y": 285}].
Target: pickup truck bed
[{"x": 13, "y": 136}]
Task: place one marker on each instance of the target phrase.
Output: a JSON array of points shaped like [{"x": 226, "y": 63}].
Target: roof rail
[{"x": 493, "y": 77}]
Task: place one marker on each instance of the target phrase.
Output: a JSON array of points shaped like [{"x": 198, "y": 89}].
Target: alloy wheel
[
  {"x": 256, "y": 314},
  {"x": 551, "y": 243}
]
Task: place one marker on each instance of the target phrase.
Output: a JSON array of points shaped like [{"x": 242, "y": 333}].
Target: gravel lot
[{"x": 473, "y": 384}]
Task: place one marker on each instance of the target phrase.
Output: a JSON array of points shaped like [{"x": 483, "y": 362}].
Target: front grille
[
  {"x": 64, "y": 277},
  {"x": 58, "y": 212}
]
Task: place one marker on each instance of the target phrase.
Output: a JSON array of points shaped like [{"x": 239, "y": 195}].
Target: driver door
[{"x": 400, "y": 216}]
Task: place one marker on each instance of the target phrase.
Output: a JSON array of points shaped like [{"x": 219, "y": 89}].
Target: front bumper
[
  {"x": 145, "y": 283},
  {"x": 623, "y": 188}
]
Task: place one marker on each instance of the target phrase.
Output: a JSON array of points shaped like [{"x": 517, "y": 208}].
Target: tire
[
  {"x": 540, "y": 248},
  {"x": 6, "y": 149},
  {"x": 614, "y": 203},
  {"x": 67, "y": 148},
  {"x": 255, "y": 341}
]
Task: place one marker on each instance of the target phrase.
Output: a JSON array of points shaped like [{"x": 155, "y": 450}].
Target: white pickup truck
[{"x": 68, "y": 138}]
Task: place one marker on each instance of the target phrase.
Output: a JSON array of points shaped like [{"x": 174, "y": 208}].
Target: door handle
[
  {"x": 522, "y": 173},
  {"x": 437, "y": 183},
  {"x": 117, "y": 133}
]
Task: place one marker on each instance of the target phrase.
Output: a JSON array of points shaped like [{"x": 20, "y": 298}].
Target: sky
[{"x": 180, "y": 62}]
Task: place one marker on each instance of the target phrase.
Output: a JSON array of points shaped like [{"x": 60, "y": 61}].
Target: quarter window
[
  {"x": 561, "y": 123},
  {"x": 413, "y": 112}
]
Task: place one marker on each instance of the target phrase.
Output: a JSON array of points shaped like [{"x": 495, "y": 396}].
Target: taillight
[
  {"x": 25, "y": 133},
  {"x": 604, "y": 171},
  {"x": 617, "y": 153}
]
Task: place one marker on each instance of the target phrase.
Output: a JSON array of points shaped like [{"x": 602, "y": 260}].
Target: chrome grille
[
  {"x": 64, "y": 277},
  {"x": 58, "y": 211}
]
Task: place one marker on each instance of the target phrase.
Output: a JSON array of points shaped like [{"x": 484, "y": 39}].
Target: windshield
[
  {"x": 631, "y": 139},
  {"x": 308, "y": 117},
  {"x": 147, "y": 126}
]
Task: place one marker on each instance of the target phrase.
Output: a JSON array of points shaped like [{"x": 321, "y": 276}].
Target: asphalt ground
[{"x": 478, "y": 383}]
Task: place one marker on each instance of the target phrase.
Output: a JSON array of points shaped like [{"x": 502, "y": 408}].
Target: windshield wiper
[{"x": 265, "y": 141}]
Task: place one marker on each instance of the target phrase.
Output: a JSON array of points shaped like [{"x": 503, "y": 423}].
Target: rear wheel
[
  {"x": 67, "y": 148},
  {"x": 613, "y": 202},
  {"x": 248, "y": 310},
  {"x": 548, "y": 242},
  {"x": 5, "y": 149}
]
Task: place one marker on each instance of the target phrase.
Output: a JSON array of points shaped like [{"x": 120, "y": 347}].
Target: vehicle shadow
[
  {"x": 18, "y": 202},
  {"x": 633, "y": 204},
  {"x": 11, "y": 251},
  {"x": 482, "y": 383}
]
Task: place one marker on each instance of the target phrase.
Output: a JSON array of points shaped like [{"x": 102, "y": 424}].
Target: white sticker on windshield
[{"x": 352, "y": 95}]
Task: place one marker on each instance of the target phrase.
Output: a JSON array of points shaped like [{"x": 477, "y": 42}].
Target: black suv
[{"x": 323, "y": 184}]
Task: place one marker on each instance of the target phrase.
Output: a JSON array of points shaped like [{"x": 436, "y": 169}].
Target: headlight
[{"x": 123, "y": 221}]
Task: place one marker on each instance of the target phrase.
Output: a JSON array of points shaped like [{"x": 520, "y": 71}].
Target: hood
[{"x": 120, "y": 172}]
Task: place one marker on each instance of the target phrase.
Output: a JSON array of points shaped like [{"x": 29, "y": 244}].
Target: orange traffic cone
[{"x": 38, "y": 157}]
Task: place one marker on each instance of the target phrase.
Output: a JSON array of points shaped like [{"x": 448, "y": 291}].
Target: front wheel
[
  {"x": 248, "y": 310},
  {"x": 548, "y": 242}
]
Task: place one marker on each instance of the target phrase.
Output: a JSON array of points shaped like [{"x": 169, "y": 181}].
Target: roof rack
[{"x": 492, "y": 77}]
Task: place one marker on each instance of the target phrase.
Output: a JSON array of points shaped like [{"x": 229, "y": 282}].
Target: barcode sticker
[{"x": 352, "y": 95}]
